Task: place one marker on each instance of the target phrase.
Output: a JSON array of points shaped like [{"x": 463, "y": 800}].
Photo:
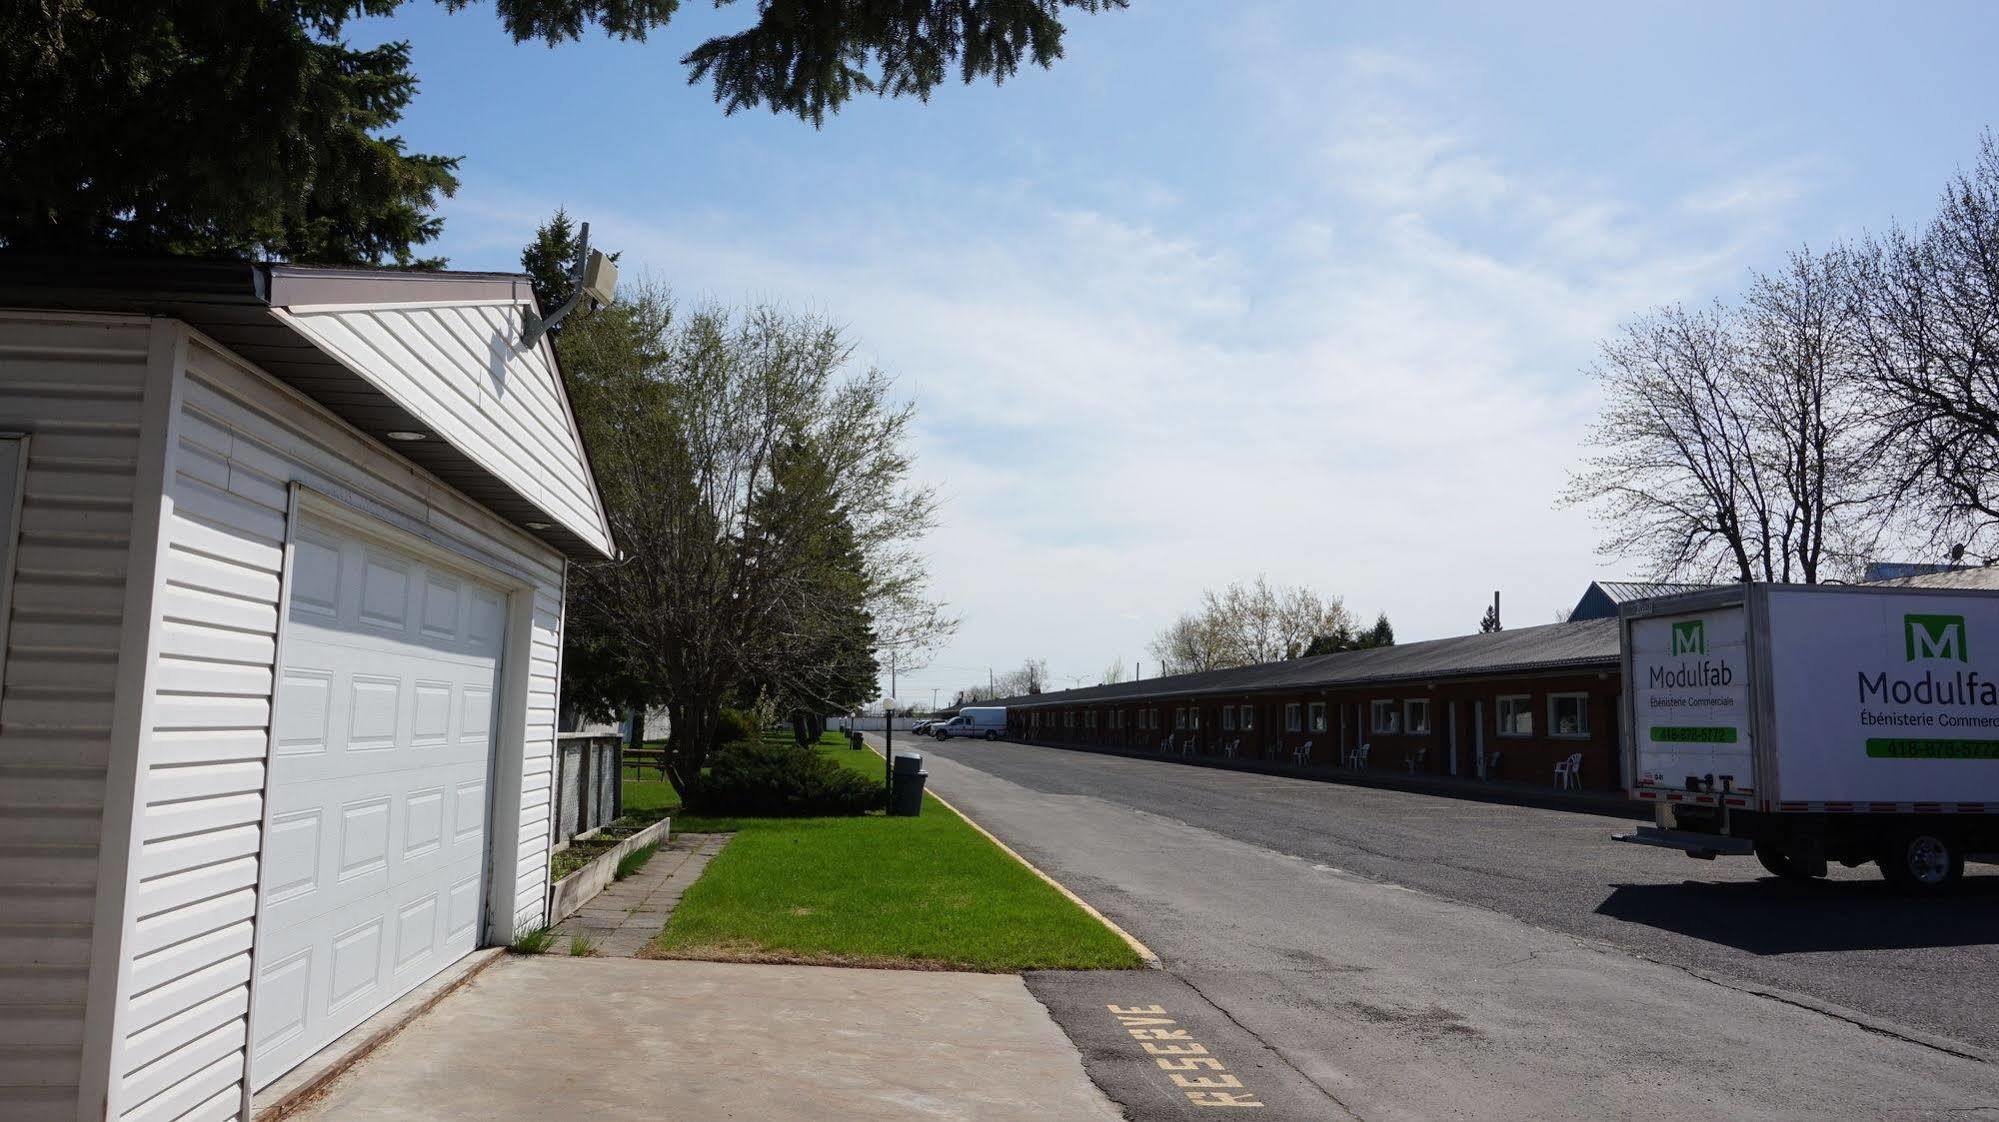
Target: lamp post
[{"x": 888, "y": 736}]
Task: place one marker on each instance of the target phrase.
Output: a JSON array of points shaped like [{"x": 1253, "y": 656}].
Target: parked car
[
  {"x": 985, "y": 721},
  {"x": 923, "y": 727}
]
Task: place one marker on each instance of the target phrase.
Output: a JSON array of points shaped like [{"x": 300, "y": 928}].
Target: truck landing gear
[{"x": 1921, "y": 863}]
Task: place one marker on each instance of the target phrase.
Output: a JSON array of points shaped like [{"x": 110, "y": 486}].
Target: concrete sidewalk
[
  {"x": 621, "y": 1039},
  {"x": 623, "y": 918}
]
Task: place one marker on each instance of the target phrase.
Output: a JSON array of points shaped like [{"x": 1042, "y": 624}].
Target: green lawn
[{"x": 875, "y": 891}]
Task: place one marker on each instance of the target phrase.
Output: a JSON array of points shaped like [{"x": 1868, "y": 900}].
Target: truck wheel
[
  {"x": 1780, "y": 864},
  {"x": 1921, "y": 863},
  {"x": 942, "y": 737},
  {"x": 991, "y": 735}
]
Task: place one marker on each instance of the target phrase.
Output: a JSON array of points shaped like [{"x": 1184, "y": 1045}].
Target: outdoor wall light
[
  {"x": 406, "y": 435},
  {"x": 536, "y": 525}
]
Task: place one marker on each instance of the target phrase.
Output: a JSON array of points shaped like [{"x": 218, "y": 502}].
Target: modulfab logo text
[
  {"x": 1930, "y": 638},
  {"x": 1690, "y": 638}
]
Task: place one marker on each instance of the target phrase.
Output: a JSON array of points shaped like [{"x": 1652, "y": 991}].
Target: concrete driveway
[{"x": 623, "y": 1039}]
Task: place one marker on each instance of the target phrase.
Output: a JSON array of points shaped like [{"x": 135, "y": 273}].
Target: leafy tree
[
  {"x": 249, "y": 128},
  {"x": 1350, "y": 638},
  {"x": 549, "y": 258},
  {"x": 1380, "y": 635},
  {"x": 759, "y": 494},
  {"x": 234, "y": 128}
]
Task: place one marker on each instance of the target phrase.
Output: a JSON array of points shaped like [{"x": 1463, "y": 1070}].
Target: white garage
[{"x": 283, "y": 553}]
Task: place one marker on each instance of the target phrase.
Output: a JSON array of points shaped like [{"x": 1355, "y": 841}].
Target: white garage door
[{"x": 373, "y": 874}]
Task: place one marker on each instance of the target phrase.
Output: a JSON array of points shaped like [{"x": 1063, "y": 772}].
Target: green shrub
[
  {"x": 779, "y": 780},
  {"x": 532, "y": 940},
  {"x": 734, "y": 725}
]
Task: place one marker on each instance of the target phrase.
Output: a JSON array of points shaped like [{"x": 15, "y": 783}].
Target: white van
[{"x": 987, "y": 721}]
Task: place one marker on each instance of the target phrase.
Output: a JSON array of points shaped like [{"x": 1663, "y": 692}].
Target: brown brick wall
[{"x": 1348, "y": 723}]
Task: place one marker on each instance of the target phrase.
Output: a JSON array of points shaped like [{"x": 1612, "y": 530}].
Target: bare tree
[
  {"x": 1114, "y": 673},
  {"x": 1031, "y": 678},
  {"x": 1929, "y": 337},
  {"x": 1243, "y": 625},
  {"x": 1733, "y": 441},
  {"x": 1674, "y": 479},
  {"x": 1812, "y": 430}
]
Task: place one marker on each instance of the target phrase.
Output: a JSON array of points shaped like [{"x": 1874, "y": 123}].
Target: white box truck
[
  {"x": 987, "y": 721},
  {"x": 1812, "y": 723}
]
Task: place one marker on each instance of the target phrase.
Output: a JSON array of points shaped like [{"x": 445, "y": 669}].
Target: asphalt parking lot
[{"x": 1403, "y": 952}]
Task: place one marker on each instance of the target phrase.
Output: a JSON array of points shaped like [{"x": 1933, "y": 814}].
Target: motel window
[
  {"x": 1516, "y": 715},
  {"x": 1318, "y": 716},
  {"x": 1068, "y": 718},
  {"x": 1194, "y": 718},
  {"x": 1416, "y": 714},
  {"x": 1154, "y": 719},
  {"x": 1179, "y": 718},
  {"x": 1381, "y": 717},
  {"x": 1568, "y": 714},
  {"x": 1228, "y": 718},
  {"x": 1248, "y": 717},
  {"x": 1093, "y": 718},
  {"x": 1291, "y": 718}
]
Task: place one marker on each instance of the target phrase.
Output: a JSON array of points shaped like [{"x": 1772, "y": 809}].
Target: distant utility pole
[
  {"x": 933, "y": 699},
  {"x": 992, "y": 684},
  {"x": 1495, "y": 609}
]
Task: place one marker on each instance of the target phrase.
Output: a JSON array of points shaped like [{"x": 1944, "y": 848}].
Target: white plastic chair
[
  {"x": 1568, "y": 773},
  {"x": 1358, "y": 760},
  {"x": 1231, "y": 748},
  {"x": 1302, "y": 754},
  {"x": 1415, "y": 759}
]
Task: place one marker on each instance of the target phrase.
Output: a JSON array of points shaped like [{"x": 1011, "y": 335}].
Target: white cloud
[{"x": 1369, "y": 385}]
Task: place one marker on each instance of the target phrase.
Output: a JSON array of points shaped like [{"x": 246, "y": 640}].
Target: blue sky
[{"x": 1239, "y": 287}]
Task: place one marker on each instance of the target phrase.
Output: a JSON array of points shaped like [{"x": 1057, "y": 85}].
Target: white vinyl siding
[
  {"x": 506, "y": 412},
  {"x": 77, "y": 386},
  {"x": 239, "y": 440}
]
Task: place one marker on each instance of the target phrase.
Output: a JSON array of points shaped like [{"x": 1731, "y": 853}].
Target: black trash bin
[{"x": 907, "y": 799}]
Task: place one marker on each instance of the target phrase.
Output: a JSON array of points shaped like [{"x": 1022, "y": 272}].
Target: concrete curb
[{"x": 1144, "y": 952}]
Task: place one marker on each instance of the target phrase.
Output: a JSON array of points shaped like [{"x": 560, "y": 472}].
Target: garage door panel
[{"x": 380, "y": 779}]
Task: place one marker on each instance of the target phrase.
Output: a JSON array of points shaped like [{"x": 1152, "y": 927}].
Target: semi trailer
[{"x": 1810, "y": 724}]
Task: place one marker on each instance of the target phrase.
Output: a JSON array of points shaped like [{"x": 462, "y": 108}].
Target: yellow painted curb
[{"x": 1144, "y": 952}]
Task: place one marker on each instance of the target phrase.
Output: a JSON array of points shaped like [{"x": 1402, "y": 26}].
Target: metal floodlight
[{"x": 594, "y": 275}]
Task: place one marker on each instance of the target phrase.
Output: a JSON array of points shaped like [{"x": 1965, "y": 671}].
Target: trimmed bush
[
  {"x": 779, "y": 780},
  {"x": 734, "y": 725}
]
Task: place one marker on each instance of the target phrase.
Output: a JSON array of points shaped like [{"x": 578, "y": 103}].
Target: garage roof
[
  {"x": 1580, "y": 645},
  {"x": 322, "y": 331}
]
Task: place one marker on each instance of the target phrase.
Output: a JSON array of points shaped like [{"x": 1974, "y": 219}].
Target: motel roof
[{"x": 1589, "y": 644}]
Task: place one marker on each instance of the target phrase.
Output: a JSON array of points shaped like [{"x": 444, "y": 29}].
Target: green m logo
[
  {"x": 1934, "y": 637},
  {"x": 1690, "y": 638}
]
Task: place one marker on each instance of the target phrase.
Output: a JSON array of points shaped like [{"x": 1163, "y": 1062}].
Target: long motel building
[{"x": 1512, "y": 705}]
